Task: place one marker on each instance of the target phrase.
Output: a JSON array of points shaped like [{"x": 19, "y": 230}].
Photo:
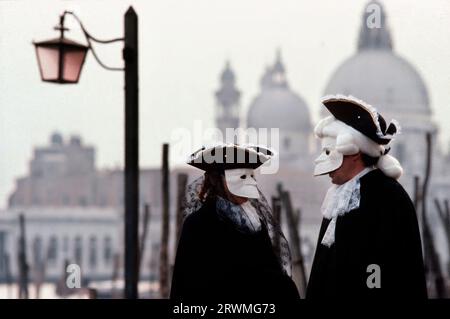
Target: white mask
[
  {"x": 242, "y": 182},
  {"x": 330, "y": 159}
]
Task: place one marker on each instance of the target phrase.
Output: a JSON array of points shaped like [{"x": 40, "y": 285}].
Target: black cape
[
  {"x": 382, "y": 231},
  {"x": 215, "y": 261}
]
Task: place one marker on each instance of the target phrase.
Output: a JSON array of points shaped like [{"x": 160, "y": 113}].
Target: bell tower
[{"x": 227, "y": 102}]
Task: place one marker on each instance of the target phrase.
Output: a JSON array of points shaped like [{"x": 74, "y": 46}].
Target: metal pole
[{"x": 130, "y": 55}]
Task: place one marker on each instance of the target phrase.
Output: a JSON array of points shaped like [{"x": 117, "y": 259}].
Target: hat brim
[
  {"x": 226, "y": 157},
  {"x": 361, "y": 117}
]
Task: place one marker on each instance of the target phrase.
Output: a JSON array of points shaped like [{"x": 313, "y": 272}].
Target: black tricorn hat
[
  {"x": 362, "y": 117},
  {"x": 229, "y": 156}
]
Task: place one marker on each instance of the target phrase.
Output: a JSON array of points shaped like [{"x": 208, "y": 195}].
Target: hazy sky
[{"x": 183, "y": 47}]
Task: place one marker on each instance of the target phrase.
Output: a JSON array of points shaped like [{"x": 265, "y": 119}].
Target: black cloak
[
  {"x": 216, "y": 261},
  {"x": 382, "y": 231}
]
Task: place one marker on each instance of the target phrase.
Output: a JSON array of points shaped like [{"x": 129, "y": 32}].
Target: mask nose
[
  {"x": 249, "y": 180},
  {"x": 320, "y": 158}
]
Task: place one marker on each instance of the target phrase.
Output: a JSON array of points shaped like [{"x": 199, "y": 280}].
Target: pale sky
[{"x": 183, "y": 48}]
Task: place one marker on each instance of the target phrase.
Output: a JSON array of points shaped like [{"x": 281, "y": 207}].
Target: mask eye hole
[
  {"x": 327, "y": 152},
  {"x": 243, "y": 176}
]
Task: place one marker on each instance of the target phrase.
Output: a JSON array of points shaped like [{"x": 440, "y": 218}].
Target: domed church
[
  {"x": 384, "y": 79},
  {"x": 277, "y": 106},
  {"x": 375, "y": 73}
]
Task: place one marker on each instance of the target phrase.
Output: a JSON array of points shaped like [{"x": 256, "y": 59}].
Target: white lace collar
[{"x": 339, "y": 200}]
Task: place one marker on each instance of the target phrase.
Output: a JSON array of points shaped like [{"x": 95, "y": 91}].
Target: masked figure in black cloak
[
  {"x": 226, "y": 249},
  {"x": 369, "y": 243}
]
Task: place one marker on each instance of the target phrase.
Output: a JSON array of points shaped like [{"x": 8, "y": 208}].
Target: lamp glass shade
[{"x": 60, "y": 60}]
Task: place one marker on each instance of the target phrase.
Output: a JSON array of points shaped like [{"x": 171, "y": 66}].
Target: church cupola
[
  {"x": 227, "y": 101},
  {"x": 374, "y": 32}
]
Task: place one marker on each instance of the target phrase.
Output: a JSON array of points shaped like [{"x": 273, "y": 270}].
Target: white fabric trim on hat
[
  {"x": 397, "y": 126},
  {"x": 251, "y": 147}
]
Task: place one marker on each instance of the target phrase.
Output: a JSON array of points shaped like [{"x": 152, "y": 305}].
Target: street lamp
[{"x": 60, "y": 61}]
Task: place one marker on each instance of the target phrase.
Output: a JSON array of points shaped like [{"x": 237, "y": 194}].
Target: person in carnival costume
[
  {"x": 369, "y": 243},
  {"x": 227, "y": 247}
]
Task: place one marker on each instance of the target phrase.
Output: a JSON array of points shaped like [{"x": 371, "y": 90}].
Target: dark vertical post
[
  {"x": 23, "y": 265},
  {"x": 444, "y": 215},
  {"x": 61, "y": 50},
  {"x": 417, "y": 194},
  {"x": 61, "y": 287},
  {"x": 182, "y": 179},
  {"x": 115, "y": 276},
  {"x": 181, "y": 189},
  {"x": 143, "y": 240},
  {"x": 8, "y": 276},
  {"x": 298, "y": 268},
  {"x": 431, "y": 255},
  {"x": 447, "y": 226},
  {"x": 130, "y": 55},
  {"x": 276, "y": 209},
  {"x": 164, "y": 255}
]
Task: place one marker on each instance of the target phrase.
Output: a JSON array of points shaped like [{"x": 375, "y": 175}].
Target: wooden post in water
[
  {"x": 164, "y": 254},
  {"x": 61, "y": 287},
  {"x": 433, "y": 265},
  {"x": 40, "y": 268},
  {"x": 115, "y": 293},
  {"x": 298, "y": 269},
  {"x": 23, "y": 265},
  {"x": 8, "y": 276},
  {"x": 444, "y": 215},
  {"x": 143, "y": 239},
  {"x": 417, "y": 194},
  {"x": 181, "y": 189},
  {"x": 276, "y": 209}
]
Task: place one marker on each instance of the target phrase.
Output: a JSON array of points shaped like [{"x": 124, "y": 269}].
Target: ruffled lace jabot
[{"x": 339, "y": 200}]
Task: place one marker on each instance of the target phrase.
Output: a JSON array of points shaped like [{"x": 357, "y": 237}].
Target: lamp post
[{"x": 60, "y": 61}]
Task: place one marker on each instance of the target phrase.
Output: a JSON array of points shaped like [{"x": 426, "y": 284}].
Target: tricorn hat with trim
[
  {"x": 358, "y": 127},
  {"x": 229, "y": 156},
  {"x": 362, "y": 117}
]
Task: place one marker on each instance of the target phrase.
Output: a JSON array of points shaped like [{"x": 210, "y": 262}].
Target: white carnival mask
[
  {"x": 242, "y": 182},
  {"x": 329, "y": 159}
]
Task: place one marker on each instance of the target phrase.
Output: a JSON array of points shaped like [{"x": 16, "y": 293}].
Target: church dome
[
  {"x": 277, "y": 106},
  {"x": 378, "y": 75}
]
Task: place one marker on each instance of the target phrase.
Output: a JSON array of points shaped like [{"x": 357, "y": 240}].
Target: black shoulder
[
  {"x": 193, "y": 221},
  {"x": 396, "y": 197},
  {"x": 386, "y": 187},
  {"x": 389, "y": 193},
  {"x": 393, "y": 189},
  {"x": 199, "y": 219}
]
